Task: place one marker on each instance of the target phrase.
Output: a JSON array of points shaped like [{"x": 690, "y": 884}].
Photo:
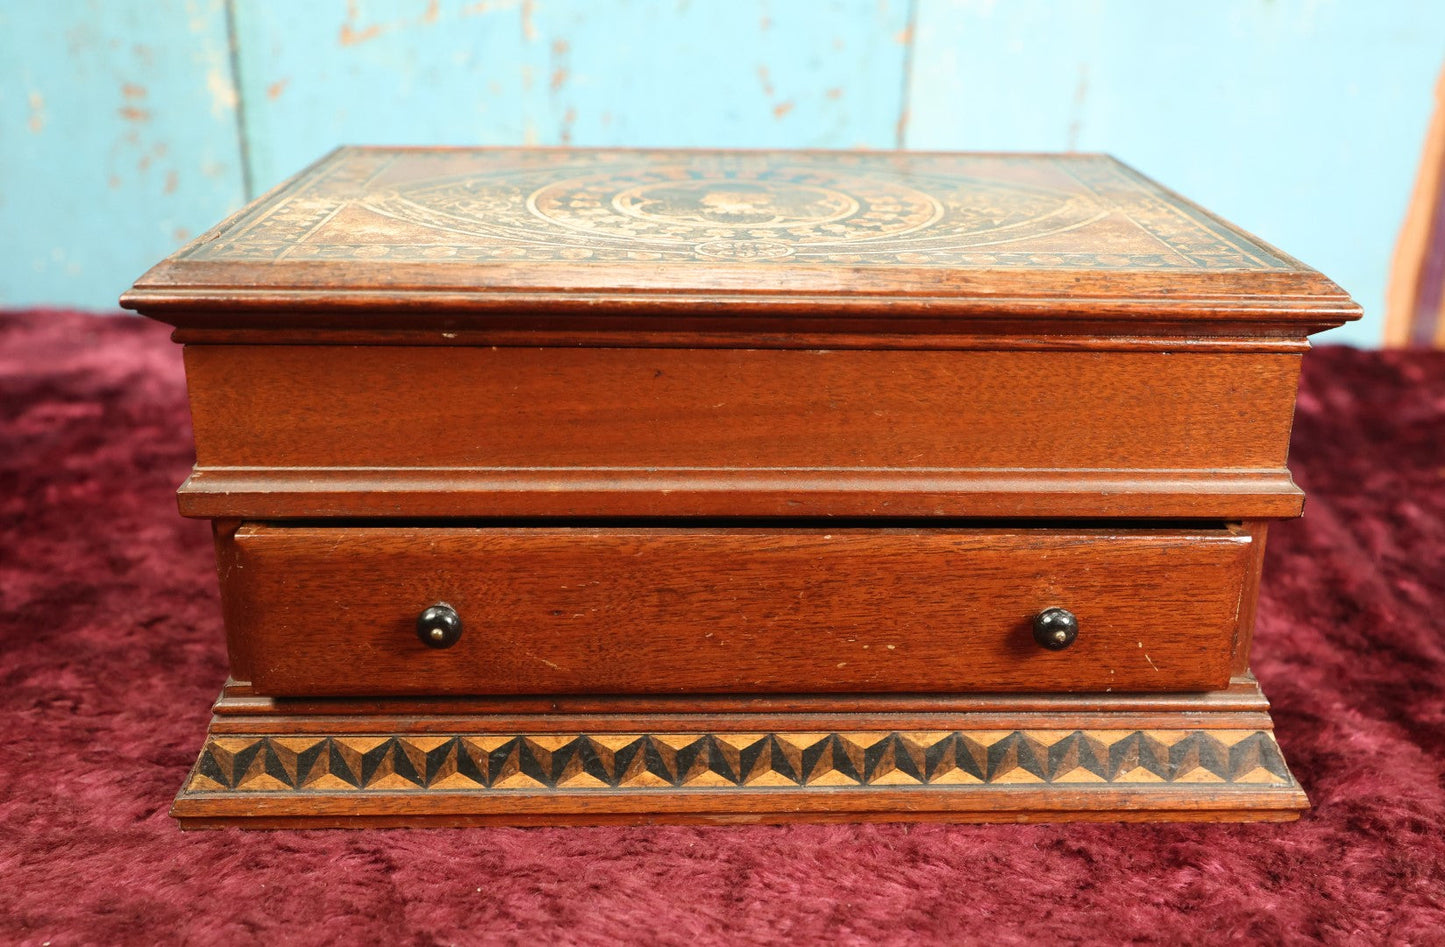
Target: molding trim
[
  {"x": 282, "y": 492},
  {"x": 978, "y": 775}
]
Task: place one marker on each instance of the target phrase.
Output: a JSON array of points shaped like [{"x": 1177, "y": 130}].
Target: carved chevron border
[{"x": 365, "y": 764}]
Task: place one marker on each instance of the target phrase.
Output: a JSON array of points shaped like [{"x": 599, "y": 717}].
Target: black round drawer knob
[
  {"x": 439, "y": 626},
  {"x": 1055, "y": 628}
]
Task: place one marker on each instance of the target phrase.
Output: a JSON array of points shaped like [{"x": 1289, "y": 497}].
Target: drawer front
[{"x": 317, "y": 611}]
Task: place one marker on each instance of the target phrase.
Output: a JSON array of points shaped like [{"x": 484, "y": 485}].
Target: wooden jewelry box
[{"x": 562, "y": 485}]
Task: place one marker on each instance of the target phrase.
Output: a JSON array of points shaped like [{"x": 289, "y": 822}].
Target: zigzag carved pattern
[{"x": 463, "y": 762}]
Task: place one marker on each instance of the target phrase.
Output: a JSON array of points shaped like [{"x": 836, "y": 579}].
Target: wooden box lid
[{"x": 412, "y": 239}]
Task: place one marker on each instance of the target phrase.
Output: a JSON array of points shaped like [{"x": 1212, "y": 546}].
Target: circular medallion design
[
  {"x": 733, "y": 208},
  {"x": 731, "y": 213},
  {"x": 733, "y": 203}
]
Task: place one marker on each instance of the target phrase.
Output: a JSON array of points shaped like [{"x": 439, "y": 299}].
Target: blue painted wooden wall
[{"x": 127, "y": 126}]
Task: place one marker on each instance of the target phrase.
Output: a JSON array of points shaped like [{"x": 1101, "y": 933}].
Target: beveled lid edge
[{"x": 177, "y": 289}]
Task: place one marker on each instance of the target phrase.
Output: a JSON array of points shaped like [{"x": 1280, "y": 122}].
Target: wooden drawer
[{"x": 556, "y": 610}]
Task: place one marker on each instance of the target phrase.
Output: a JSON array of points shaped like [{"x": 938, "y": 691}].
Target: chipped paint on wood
[
  {"x": 1300, "y": 121},
  {"x": 128, "y": 110},
  {"x": 36, "y": 123},
  {"x": 649, "y": 72},
  {"x": 352, "y": 33},
  {"x": 129, "y": 141}
]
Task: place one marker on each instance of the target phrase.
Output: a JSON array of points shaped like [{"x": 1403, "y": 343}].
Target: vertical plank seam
[
  {"x": 243, "y": 138},
  {"x": 910, "y": 30}
]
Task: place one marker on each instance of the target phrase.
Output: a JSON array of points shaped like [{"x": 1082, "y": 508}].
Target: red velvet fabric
[{"x": 111, "y": 650}]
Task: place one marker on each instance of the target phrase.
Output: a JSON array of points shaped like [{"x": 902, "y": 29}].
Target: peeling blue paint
[
  {"x": 1300, "y": 120},
  {"x": 745, "y": 73},
  {"x": 128, "y": 126},
  {"x": 117, "y": 143}
]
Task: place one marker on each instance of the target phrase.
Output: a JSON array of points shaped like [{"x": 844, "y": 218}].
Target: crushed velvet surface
[{"x": 111, "y": 651}]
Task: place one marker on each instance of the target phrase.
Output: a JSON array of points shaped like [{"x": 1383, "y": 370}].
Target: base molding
[{"x": 320, "y": 771}]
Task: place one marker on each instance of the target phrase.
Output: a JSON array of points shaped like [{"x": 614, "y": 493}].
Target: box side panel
[{"x": 589, "y": 431}]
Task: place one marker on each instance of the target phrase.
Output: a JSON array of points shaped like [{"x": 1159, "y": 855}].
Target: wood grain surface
[
  {"x": 558, "y": 610},
  {"x": 416, "y": 430}
]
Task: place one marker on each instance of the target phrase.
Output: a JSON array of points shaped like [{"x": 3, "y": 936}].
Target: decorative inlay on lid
[
  {"x": 400, "y": 236},
  {"x": 805, "y": 208}
]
